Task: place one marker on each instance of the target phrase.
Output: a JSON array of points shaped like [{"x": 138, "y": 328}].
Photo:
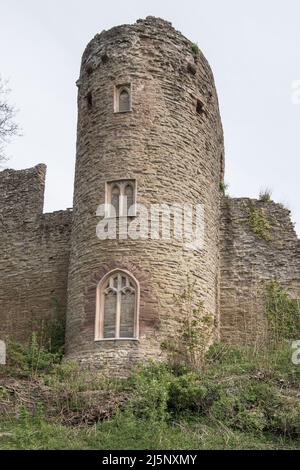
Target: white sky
[{"x": 253, "y": 47}]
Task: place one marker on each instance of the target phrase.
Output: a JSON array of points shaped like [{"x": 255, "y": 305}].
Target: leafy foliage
[
  {"x": 239, "y": 399},
  {"x": 151, "y": 389},
  {"x": 283, "y": 313},
  {"x": 29, "y": 360}
]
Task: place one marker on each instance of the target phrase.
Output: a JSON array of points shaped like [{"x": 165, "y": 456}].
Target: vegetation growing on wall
[
  {"x": 44, "y": 348},
  {"x": 188, "y": 347},
  {"x": 56, "y": 327},
  {"x": 265, "y": 195},
  {"x": 258, "y": 222},
  {"x": 29, "y": 360},
  {"x": 283, "y": 313},
  {"x": 224, "y": 188},
  {"x": 195, "y": 48},
  {"x": 49, "y": 333}
]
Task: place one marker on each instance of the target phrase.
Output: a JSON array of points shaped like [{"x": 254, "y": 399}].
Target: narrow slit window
[
  {"x": 89, "y": 100},
  {"x": 200, "y": 107}
]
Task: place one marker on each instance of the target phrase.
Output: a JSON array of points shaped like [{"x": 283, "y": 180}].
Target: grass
[
  {"x": 265, "y": 195},
  {"x": 126, "y": 433},
  {"x": 240, "y": 399}
]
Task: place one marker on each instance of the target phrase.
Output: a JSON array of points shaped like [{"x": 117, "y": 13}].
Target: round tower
[{"x": 149, "y": 133}]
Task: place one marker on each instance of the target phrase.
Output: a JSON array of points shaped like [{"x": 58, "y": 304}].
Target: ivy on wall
[{"x": 258, "y": 222}]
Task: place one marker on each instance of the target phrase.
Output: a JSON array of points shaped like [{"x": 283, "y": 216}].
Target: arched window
[
  {"x": 120, "y": 198},
  {"x": 123, "y": 98},
  {"x": 124, "y": 101},
  {"x": 117, "y": 306}
]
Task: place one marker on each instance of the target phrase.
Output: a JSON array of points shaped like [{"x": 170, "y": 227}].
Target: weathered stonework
[
  {"x": 170, "y": 143},
  {"x": 34, "y": 254},
  {"x": 175, "y": 155},
  {"x": 248, "y": 261}
]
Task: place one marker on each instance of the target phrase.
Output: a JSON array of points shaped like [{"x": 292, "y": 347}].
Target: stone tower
[{"x": 149, "y": 128}]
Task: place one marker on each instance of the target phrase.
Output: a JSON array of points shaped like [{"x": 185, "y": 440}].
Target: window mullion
[
  {"x": 118, "y": 312},
  {"x": 121, "y": 210},
  {"x": 101, "y": 298}
]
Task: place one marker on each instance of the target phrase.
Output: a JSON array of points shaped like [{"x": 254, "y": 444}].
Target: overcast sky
[{"x": 253, "y": 47}]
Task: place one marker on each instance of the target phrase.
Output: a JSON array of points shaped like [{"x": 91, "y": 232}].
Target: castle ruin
[{"x": 149, "y": 133}]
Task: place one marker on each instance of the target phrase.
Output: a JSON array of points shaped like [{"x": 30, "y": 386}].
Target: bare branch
[{"x": 8, "y": 127}]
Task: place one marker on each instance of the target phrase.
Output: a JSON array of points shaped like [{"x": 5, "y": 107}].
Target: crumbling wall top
[{"x": 22, "y": 195}]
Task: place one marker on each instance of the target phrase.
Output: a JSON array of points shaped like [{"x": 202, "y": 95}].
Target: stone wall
[
  {"x": 34, "y": 251},
  {"x": 248, "y": 260},
  {"x": 172, "y": 144}
]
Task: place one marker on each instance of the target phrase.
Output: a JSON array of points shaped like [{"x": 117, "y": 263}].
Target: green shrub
[
  {"x": 191, "y": 393},
  {"x": 29, "y": 359},
  {"x": 222, "y": 353},
  {"x": 244, "y": 405},
  {"x": 286, "y": 419},
  {"x": 195, "y": 48},
  {"x": 79, "y": 390},
  {"x": 150, "y": 391},
  {"x": 283, "y": 313},
  {"x": 238, "y": 391},
  {"x": 237, "y": 415}
]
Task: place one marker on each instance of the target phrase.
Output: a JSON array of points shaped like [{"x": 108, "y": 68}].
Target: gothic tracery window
[{"x": 117, "y": 307}]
